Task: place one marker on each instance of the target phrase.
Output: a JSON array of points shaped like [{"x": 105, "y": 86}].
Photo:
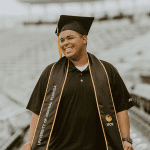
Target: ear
[{"x": 84, "y": 39}]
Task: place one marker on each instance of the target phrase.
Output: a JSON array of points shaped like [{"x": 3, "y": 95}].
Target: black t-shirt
[{"x": 77, "y": 125}]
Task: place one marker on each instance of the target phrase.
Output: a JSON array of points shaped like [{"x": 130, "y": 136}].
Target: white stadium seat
[
  {"x": 133, "y": 135},
  {"x": 141, "y": 147},
  {"x": 136, "y": 141},
  {"x": 131, "y": 131}
]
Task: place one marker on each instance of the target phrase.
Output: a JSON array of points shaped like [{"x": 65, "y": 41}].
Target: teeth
[{"x": 68, "y": 49}]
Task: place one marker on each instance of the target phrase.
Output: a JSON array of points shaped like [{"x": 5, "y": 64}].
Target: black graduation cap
[
  {"x": 83, "y": 22},
  {"x": 79, "y": 24}
]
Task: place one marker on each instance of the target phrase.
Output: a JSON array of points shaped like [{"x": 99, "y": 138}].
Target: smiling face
[{"x": 73, "y": 44}]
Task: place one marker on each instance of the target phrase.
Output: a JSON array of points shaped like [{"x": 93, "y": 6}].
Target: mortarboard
[{"x": 79, "y": 24}]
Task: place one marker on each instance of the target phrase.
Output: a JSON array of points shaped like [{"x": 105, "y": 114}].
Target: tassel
[{"x": 58, "y": 40}]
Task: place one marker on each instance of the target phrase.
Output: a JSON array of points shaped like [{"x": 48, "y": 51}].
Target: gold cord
[{"x": 58, "y": 41}]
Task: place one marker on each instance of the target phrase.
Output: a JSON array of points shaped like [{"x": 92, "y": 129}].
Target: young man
[{"x": 79, "y": 102}]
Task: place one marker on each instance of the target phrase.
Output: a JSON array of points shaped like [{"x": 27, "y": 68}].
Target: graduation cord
[
  {"x": 58, "y": 41},
  {"x": 57, "y": 107},
  {"x": 97, "y": 105},
  {"x": 42, "y": 104},
  {"x": 112, "y": 100}
]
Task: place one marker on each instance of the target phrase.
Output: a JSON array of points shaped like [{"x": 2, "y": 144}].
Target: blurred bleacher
[{"x": 25, "y": 51}]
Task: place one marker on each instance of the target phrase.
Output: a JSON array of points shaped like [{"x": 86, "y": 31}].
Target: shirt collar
[{"x": 72, "y": 67}]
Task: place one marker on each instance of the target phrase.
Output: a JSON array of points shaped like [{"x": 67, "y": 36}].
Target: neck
[{"x": 82, "y": 61}]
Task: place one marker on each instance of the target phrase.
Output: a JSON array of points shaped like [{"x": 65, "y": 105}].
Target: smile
[{"x": 68, "y": 49}]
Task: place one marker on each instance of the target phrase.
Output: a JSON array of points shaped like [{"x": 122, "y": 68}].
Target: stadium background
[{"x": 119, "y": 35}]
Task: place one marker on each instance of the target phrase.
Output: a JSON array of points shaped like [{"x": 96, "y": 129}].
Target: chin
[{"x": 71, "y": 57}]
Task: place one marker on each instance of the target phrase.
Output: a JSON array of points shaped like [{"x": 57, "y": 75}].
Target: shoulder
[
  {"x": 47, "y": 70},
  {"x": 112, "y": 72},
  {"x": 109, "y": 68}
]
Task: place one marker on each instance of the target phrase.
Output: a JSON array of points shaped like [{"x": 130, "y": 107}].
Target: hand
[
  {"x": 27, "y": 146},
  {"x": 127, "y": 146}
]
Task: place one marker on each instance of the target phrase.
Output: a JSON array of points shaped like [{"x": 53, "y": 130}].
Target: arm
[
  {"x": 124, "y": 125},
  {"x": 33, "y": 124}
]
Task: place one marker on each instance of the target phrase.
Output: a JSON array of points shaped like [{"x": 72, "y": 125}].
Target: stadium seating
[
  {"x": 26, "y": 52},
  {"x": 141, "y": 147},
  {"x": 133, "y": 135},
  {"x": 136, "y": 142}
]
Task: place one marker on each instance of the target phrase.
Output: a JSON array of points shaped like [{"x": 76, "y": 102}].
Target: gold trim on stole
[
  {"x": 112, "y": 99},
  {"x": 42, "y": 103},
  {"x": 57, "y": 107},
  {"x": 98, "y": 106}
]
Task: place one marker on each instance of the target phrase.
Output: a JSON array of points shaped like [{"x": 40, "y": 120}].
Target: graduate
[{"x": 80, "y": 102}]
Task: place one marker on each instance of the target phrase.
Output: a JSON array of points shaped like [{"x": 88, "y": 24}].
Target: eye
[
  {"x": 70, "y": 37},
  {"x": 61, "y": 40}
]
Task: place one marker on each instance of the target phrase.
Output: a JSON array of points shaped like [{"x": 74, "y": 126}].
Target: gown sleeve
[{"x": 121, "y": 96}]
